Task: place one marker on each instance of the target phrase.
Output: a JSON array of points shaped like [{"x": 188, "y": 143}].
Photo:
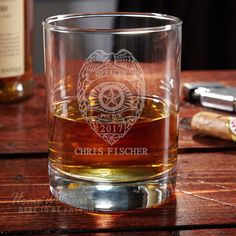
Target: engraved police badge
[{"x": 111, "y": 93}]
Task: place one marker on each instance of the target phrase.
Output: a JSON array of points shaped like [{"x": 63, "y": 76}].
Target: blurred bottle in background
[{"x": 16, "y": 24}]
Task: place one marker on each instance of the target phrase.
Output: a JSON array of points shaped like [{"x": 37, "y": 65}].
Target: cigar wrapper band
[
  {"x": 214, "y": 124},
  {"x": 231, "y": 125}
]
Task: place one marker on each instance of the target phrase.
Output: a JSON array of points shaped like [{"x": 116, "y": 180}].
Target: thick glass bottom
[{"x": 109, "y": 196}]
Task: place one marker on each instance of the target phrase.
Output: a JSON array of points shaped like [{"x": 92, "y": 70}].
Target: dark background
[
  {"x": 209, "y": 29},
  {"x": 209, "y": 26}
]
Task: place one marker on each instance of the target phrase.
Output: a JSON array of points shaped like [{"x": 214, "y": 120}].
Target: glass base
[{"x": 111, "y": 197}]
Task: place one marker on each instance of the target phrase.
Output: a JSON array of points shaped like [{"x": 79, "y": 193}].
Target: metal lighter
[{"x": 212, "y": 95}]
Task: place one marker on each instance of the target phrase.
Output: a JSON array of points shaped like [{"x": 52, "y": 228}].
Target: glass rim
[{"x": 175, "y": 22}]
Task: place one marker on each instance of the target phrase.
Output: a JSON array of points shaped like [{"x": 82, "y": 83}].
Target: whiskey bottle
[{"x": 16, "y": 24}]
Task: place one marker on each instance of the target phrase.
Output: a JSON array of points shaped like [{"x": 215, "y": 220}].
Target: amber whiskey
[{"x": 148, "y": 149}]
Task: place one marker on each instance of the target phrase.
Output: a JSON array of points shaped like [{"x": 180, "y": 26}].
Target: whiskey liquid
[{"x": 147, "y": 150}]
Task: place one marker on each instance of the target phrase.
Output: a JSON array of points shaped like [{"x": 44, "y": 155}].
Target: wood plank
[
  {"x": 204, "y": 232},
  {"x": 205, "y": 198},
  {"x": 23, "y": 126},
  {"x": 149, "y": 233},
  {"x": 201, "y": 232},
  {"x": 208, "y": 232}
]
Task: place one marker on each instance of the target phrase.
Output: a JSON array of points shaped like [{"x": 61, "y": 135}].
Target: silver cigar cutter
[{"x": 212, "y": 95}]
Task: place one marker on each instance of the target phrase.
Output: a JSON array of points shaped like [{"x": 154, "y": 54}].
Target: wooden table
[{"x": 205, "y": 202}]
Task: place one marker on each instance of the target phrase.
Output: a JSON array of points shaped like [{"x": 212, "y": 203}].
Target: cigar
[{"x": 214, "y": 124}]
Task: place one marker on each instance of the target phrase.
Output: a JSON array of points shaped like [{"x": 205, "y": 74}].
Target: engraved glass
[{"x": 112, "y": 102}]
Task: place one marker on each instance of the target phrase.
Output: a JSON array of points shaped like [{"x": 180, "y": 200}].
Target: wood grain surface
[
  {"x": 204, "y": 204},
  {"x": 207, "y": 232},
  {"x": 23, "y": 126},
  {"x": 205, "y": 199}
]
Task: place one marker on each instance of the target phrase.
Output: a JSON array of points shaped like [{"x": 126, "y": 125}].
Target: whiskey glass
[{"x": 112, "y": 86}]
